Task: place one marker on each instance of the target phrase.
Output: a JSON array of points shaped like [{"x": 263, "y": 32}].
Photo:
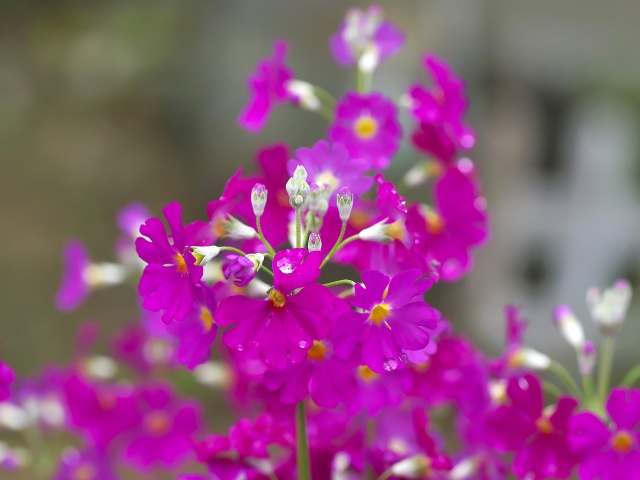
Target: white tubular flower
[
  {"x": 104, "y": 274},
  {"x": 417, "y": 466},
  {"x": 304, "y": 93},
  {"x": 257, "y": 259},
  {"x": 238, "y": 230},
  {"x": 530, "y": 358},
  {"x": 569, "y": 326},
  {"x": 205, "y": 254},
  {"x": 383, "y": 232}
]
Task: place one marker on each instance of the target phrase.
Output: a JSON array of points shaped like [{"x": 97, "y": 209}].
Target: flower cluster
[{"x": 324, "y": 377}]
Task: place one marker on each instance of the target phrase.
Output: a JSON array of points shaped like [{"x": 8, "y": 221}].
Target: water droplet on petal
[
  {"x": 285, "y": 265},
  {"x": 403, "y": 358},
  {"x": 303, "y": 344},
  {"x": 239, "y": 347},
  {"x": 390, "y": 365}
]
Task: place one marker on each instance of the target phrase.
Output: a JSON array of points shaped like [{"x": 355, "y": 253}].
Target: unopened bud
[
  {"x": 204, "y": 255},
  {"x": 315, "y": 242},
  {"x": 587, "y": 358},
  {"x": 315, "y": 194},
  {"x": 300, "y": 173},
  {"x": 569, "y": 326},
  {"x": 345, "y": 202},
  {"x": 296, "y": 201},
  {"x": 322, "y": 208},
  {"x": 292, "y": 187},
  {"x": 383, "y": 232},
  {"x": 609, "y": 308},
  {"x": 258, "y": 199}
]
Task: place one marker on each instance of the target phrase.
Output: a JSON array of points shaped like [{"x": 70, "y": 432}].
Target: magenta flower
[
  {"x": 251, "y": 439},
  {"x": 458, "y": 222},
  {"x": 164, "y": 434},
  {"x": 329, "y": 381},
  {"x": 7, "y": 377},
  {"x": 268, "y": 87},
  {"x": 75, "y": 288},
  {"x": 284, "y": 325},
  {"x": 367, "y": 125},
  {"x": 131, "y": 218},
  {"x": 609, "y": 451},
  {"x": 168, "y": 280},
  {"x": 198, "y": 330},
  {"x": 86, "y": 465},
  {"x": 332, "y": 165},
  {"x": 441, "y": 111},
  {"x": 396, "y": 318},
  {"x": 365, "y": 32},
  {"x": 101, "y": 411},
  {"x": 378, "y": 392},
  {"x": 536, "y": 435},
  {"x": 241, "y": 268}
]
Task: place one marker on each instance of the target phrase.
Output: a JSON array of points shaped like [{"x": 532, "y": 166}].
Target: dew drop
[
  {"x": 390, "y": 365},
  {"x": 403, "y": 358},
  {"x": 285, "y": 265},
  {"x": 239, "y": 347},
  {"x": 303, "y": 344}
]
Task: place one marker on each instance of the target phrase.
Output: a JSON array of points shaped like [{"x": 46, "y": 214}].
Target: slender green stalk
[
  {"x": 606, "y": 363},
  {"x": 302, "y": 451},
  {"x": 363, "y": 81},
  {"x": 589, "y": 390},
  {"x": 565, "y": 377},
  {"x": 298, "y": 229},
  {"x": 336, "y": 245},
  {"x": 340, "y": 282},
  {"x": 233, "y": 249},
  {"x": 262, "y": 238},
  {"x": 326, "y": 113},
  {"x": 551, "y": 389},
  {"x": 631, "y": 378}
]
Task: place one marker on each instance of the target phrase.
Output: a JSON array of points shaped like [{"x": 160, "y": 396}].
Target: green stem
[
  {"x": 631, "y": 378},
  {"x": 233, "y": 249},
  {"x": 606, "y": 363},
  {"x": 589, "y": 390},
  {"x": 307, "y": 228},
  {"x": 565, "y": 377},
  {"x": 363, "y": 81},
  {"x": 336, "y": 246},
  {"x": 551, "y": 389},
  {"x": 340, "y": 282},
  {"x": 298, "y": 228},
  {"x": 302, "y": 451},
  {"x": 262, "y": 238},
  {"x": 326, "y": 113}
]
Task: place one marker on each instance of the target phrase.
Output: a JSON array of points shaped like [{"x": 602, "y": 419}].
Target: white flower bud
[
  {"x": 322, "y": 208},
  {"x": 383, "y": 232},
  {"x": 258, "y": 199},
  {"x": 344, "y": 199},
  {"x": 300, "y": 173},
  {"x": 315, "y": 242},
  {"x": 104, "y": 274},
  {"x": 292, "y": 187},
  {"x": 257, "y": 259},
  {"x": 297, "y": 201},
  {"x": 530, "y": 358},
  {"x": 609, "y": 308},
  {"x": 569, "y": 326},
  {"x": 587, "y": 358}
]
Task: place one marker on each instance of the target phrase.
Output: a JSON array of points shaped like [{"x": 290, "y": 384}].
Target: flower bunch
[{"x": 327, "y": 377}]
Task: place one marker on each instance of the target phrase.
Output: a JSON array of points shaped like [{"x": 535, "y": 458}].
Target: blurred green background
[{"x": 105, "y": 102}]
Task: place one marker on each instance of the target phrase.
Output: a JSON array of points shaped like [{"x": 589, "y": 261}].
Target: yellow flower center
[
  {"x": 181, "y": 265},
  {"x": 544, "y": 425},
  {"x": 157, "y": 423},
  {"x": 366, "y": 374},
  {"x": 622, "y": 442},
  {"x": 397, "y": 230},
  {"x": 379, "y": 313},
  {"x": 277, "y": 298},
  {"x": 84, "y": 471},
  {"x": 218, "y": 228},
  {"x": 206, "y": 318},
  {"x": 328, "y": 178},
  {"x": 317, "y": 352},
  {"x": 435, "y": 223},
  {"x": 365, "y": 127}
]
